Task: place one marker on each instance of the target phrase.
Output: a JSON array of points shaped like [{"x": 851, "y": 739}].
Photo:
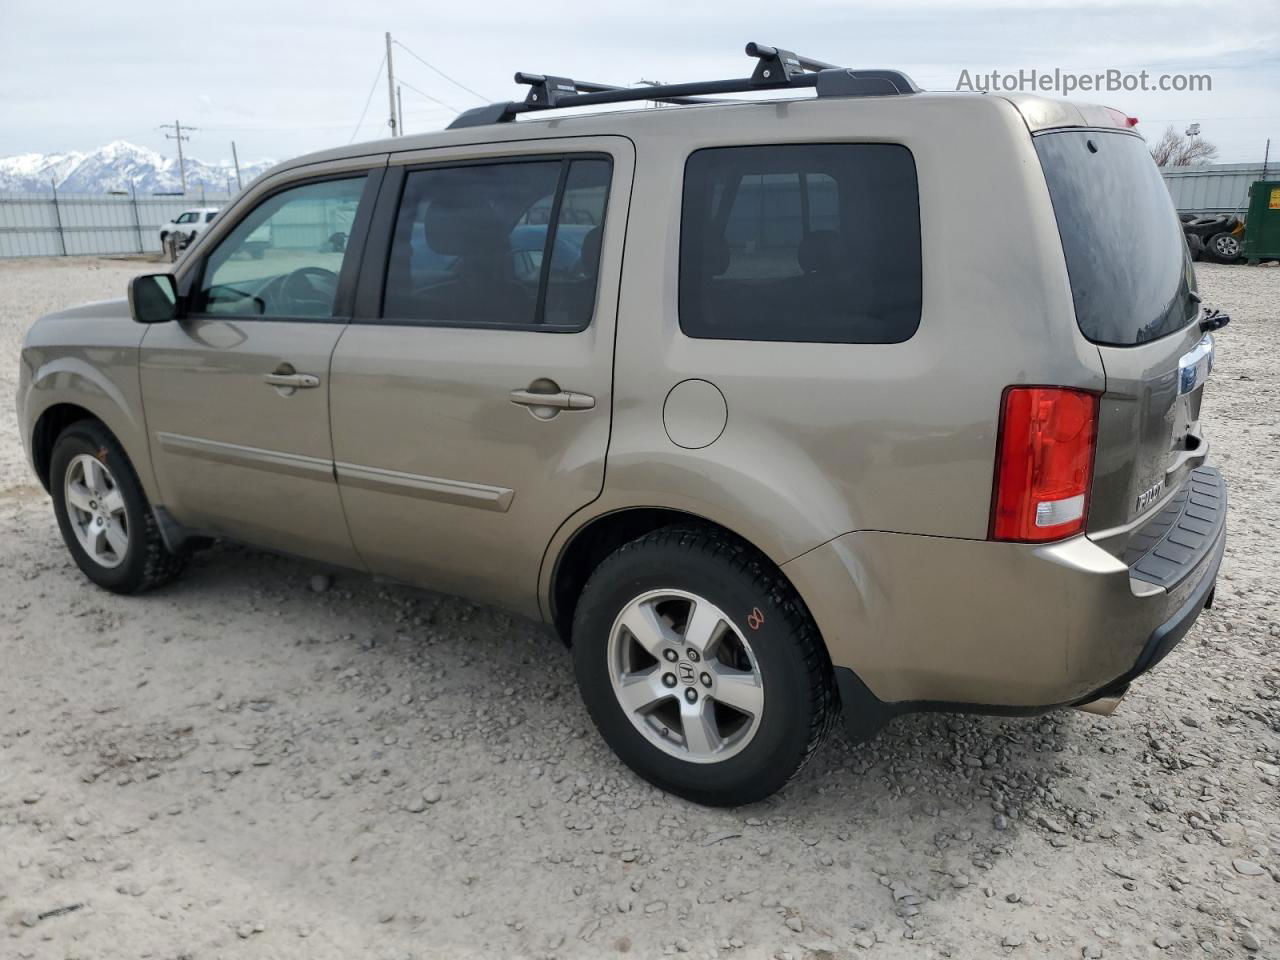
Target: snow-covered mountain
[{"x": 115, "y": 167}]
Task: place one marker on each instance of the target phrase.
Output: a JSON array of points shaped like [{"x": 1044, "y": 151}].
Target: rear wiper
[{"x": 1214, "y": 319}]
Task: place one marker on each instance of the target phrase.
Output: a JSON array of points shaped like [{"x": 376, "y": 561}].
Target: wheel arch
[
  {"x": 68, "y": 390},
  {"x": 579, "y": 548}
]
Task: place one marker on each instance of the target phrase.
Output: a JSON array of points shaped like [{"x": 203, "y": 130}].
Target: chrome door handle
[
  {"x": 564, "y": 400},
  {"x": 300, "y": 381}
]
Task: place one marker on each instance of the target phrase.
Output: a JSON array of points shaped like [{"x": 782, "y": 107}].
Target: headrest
[
  {"x": 821, "y": 251},
  {"x": 590, "y": 255},
  {"x": 463, "y": 227}
]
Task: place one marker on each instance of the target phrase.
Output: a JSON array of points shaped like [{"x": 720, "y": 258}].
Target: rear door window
[
  {"x": 505, "y": 244},
  {"x": 801, "y": 242},
  {"x": 1131, "y": 277}
]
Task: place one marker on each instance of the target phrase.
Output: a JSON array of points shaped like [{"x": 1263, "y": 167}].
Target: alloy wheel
[
  {"x": 95, "y": 507},
  {"x": 685, "y": 676}
]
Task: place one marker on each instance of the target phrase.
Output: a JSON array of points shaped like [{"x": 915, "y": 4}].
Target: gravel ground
[{"x": 259, "y": 762}]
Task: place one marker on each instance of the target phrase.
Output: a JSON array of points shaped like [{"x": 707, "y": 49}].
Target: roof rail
[{"x": 775, "y": 69}]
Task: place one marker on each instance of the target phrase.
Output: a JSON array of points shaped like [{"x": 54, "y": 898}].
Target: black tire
[
  {"x": 800, "y": 698},
  {"x": 1205, "y": 227},
  {"x": 1195, "y": 246},
  {"x": 147, "y": 561},
  {"x": 1222, "y": 248}
]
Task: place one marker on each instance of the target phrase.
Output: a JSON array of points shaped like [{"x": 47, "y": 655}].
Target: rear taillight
[{"x": 1044, "y": 462}]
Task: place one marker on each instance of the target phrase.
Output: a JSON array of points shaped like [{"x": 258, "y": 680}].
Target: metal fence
[
  {"x": 62, "y": 224},
  {"x": 65, "y": 224},
  {"x": 1213, "y": 187}
]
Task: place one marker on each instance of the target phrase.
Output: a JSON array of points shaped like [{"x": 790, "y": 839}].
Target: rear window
[
  {"x": 815, "y": 243},
  {"x": 1131, "y": 277}
]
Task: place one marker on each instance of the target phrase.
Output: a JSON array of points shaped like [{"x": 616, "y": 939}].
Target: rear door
[
  {"x": 236, "y": 392},
  {"x": 1135, "y": 298},
  {"x": 471, "y": 396}
]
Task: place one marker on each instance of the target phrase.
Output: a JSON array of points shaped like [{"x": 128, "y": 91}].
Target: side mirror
[{"x": 153, "y": 298}]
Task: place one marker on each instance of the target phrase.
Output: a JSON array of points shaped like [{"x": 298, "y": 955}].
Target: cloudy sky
[{"x": 282, "y": 77}]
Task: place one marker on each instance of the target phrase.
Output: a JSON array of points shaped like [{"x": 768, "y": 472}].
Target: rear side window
[
  {"x": 815, "y": 243},
  {"x": 1131, "y": 277},
  {"x": 509, "y": 244}
]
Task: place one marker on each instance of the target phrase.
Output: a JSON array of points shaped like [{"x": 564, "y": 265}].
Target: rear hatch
[{"x": 1135, "y": 298}]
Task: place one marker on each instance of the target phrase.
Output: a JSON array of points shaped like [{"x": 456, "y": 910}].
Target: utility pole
[
  {"x": 399, "y": 112},
  {"x": 652, "y": 83},
  {"x": 236, "y": 160},
  {"x": 178, "y": 135},
  {"x": 57, "y": 212},
  {"x": 391, "y": 90},
  {"x": 137, "y": 221}
]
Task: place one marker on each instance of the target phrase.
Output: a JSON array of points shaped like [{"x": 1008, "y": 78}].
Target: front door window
[{"x": 283, "y": 259}]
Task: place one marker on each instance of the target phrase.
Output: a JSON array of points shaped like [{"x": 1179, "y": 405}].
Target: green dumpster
[{"x": 1262, "y": 229}]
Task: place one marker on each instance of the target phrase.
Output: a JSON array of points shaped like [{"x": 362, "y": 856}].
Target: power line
[
  {"x": 432, "y": 66},
  {"x": 447, "y": 106},
  {"x": 369, "y": 99}
]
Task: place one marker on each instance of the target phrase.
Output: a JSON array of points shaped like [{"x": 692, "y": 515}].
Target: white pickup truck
[{"x": 187, "y": 225}]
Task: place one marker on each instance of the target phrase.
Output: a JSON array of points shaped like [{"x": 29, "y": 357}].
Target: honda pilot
[{"x": 728, "y": 393}]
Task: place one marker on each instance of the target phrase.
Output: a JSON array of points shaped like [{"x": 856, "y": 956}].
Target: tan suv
[{"x": 871, "y": 401}]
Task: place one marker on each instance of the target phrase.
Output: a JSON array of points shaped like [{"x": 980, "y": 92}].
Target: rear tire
[
  {"x": 724, "y": 727},
  {"x": 103, "y": 513},
  {"x": 1195, "y": 246}
]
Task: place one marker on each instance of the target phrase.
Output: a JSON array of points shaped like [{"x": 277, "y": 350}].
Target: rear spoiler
[{"x": 1041, "y": 114}]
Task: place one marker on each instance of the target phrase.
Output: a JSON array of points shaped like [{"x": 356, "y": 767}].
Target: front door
[
  {"x": 471, "y": 402},
  {"x": 236, "y": 392}
]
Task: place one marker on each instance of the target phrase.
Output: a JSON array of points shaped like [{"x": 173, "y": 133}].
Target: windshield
[{"x": 1131, "y": 277}]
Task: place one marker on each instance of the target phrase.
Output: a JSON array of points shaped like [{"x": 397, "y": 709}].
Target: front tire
[
  {"x": 701, "y": 668},
  {"x": 103, "y": 513}
]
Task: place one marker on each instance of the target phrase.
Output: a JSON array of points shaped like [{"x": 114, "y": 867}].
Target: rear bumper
[
  {"x": 1167, "y": 636},
  {"x": 919, "y": 623}
]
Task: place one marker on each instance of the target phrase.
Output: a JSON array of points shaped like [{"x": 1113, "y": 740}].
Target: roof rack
[{"x": 775, "y": 69}]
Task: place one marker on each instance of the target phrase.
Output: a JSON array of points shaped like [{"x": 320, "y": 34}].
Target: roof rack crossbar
[
  {"x": 781, "y": 66},
  {"x": 549, "y": 92},
  {"x": 776, "y": 68}
]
